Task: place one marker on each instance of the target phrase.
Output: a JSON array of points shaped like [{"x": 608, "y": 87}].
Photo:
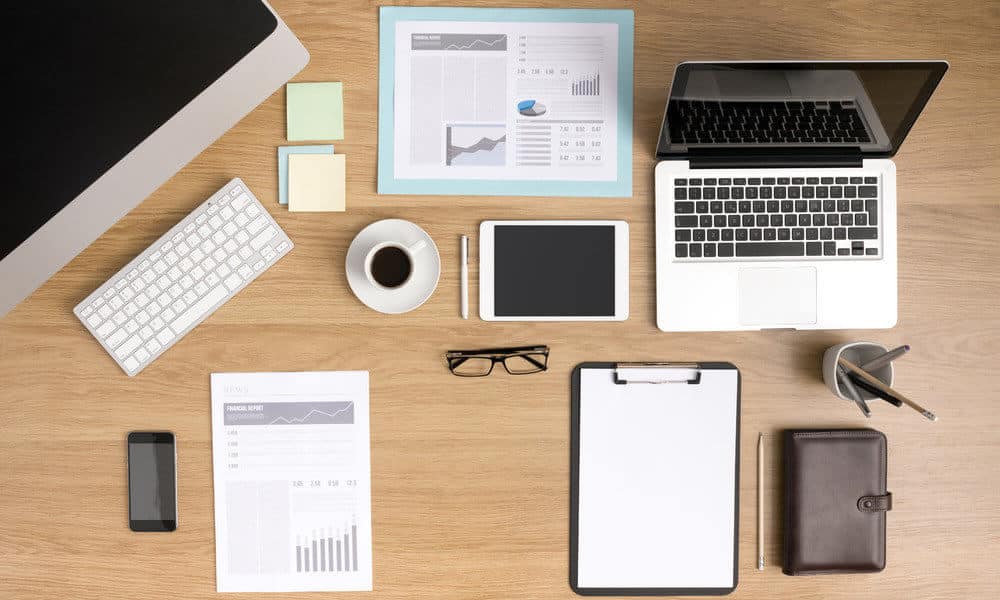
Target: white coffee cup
[{"x": 393, "y": 270}]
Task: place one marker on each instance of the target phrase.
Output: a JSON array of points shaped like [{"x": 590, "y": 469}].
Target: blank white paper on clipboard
[{"x": 657, "y": 483}]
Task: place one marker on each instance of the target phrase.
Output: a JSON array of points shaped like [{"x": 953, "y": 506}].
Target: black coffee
[{"x": 391, "y": 267}]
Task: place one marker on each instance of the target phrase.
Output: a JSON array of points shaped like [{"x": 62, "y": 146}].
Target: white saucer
[{"x": 410, "y": 295}]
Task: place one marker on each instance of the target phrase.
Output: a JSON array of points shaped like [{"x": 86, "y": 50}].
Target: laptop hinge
[{"x": 791, "y": 160}]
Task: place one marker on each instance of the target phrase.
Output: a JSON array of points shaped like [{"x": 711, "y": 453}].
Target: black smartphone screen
[{"x": 152, "y": 481}]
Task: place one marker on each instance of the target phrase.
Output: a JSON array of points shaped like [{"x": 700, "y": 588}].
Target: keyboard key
[
  {"x": 840, "y": 233},
  {"x": 826, "y": 180},
  {"x": 725, "y": 181},
  {"x": 736, "y": 194},
  {"x": 727, "y": 235},
  {"x": 798, "y": 181},
  {"x": 695, "y": 181},
  {"x": 705, "y": 221},
  {"x": 679, "y": 221},
  {"x": 847, "y": 219},
  {"x": 764, "y": 192},
  {"x": 826, "y": 233},
  {"x": 128, "y": 346},
  {"x": 713, "y": 235},
  {"x": 741, "y": 235},
  {"x": 812, "y": 180},
  {"x": 725, "y": 250},
  {"x": 808, "y": 192},
  {"x": 246, "y": 272},
  {"x": 770, "y": 234},
  {"x": 841, "y": 180},
  {"x": 784, "y": 233},
  {"x": 131, "y": 364},
  {"x": 717, "y": 221},
  {"x": 681, "y": 208},
  {"x": 857, "y": 205},
  {"x": 822, "y": 192},
  {"x": 759, "y": 206},
  {"x": 871, "y": 251},
  {"x": 794, "y": 192},
  {"x": 257, "y": 224},
  {"x": 676, "y": 182},
  {"x": 780, "y": 193},
  {"x": 681, "y": 250},
  {"x": 708, "y": 193},
  {"x": 754, "y": 181},
  {"x": 693, "y": 194},
  {"x": 723, "y": 193},
  {"x": 872, "y": 207},
  {"x": 843, "y": 252},
  {"x": 739, "y": 181},
  {"x": 783, "y": 181},
  {"x": 773, "y": 206},
  {"x": 862, "y": 233},
  {"x": 701, "y": 207},
  {"x": 680, "y": 194},
  {"x": 871, "y": 180},
  {"x": 836, "y": 192},
  {"x": 708, "y": 251},
  {"x": 776, "y": 221},
  {"x": 787, "y": 206},
  {"x": 814, "y": 248},
  {"x": 764, "y": 249},
  {"x": 116, "y": 338},
  {"x": 762, "y": 221},
  {"x": 682, "y": 235},
  {"x": 756, "y": 235},
  {"x": 818, "y": 220},
  {"x": 105, "y": 329},
  {"x": 861, "y": 219},
  {"x": 730, "y": 207},
  {"x": 868, "y": 191},
  {"x": 714, "y": 207},
  {"x": 850, "y": 192},
  {"x": 198, "y": 310},
  {"x": 750, "y": 192},
  {"x": 694, "y": 250}
]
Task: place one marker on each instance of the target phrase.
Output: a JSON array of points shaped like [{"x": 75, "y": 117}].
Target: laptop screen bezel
[{"x": 936, "y": 69}]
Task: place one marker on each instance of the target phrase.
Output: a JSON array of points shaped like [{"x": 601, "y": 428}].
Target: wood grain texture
[{"x": 471, "y": 477}]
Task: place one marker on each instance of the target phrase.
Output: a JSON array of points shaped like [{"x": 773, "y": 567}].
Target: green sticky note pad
[{"x": 315, "y": 111}]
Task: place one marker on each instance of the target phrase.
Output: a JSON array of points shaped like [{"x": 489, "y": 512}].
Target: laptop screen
[{"x": 856, "y": 107}]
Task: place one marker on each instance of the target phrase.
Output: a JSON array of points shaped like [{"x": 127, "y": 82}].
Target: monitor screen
[
  {"x": 554, "y": 271},
  {"x": 92, "y": 80},
  {"x": 865, "y": 107}
]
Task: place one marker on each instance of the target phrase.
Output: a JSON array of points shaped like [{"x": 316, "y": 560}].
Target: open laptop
[
  {"x": 775, "y": 195},
  {"x": 112, "y": 99}
]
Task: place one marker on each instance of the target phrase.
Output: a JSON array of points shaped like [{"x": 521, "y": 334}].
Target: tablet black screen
[{"x": 554, "y": 270}]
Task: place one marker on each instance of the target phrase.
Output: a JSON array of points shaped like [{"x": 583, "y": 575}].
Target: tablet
[{"x": 553, "y": 270}]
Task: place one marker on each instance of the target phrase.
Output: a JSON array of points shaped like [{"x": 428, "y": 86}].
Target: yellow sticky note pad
[{"x": 316, "y": 182}]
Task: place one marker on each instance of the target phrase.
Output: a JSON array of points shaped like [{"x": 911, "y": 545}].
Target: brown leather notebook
[{"x": 835, "y": 501}]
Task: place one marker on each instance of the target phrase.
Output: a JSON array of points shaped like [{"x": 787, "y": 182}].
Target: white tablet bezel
[{"x": 486, "y": 258}]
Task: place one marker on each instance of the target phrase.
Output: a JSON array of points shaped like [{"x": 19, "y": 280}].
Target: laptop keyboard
[
  {"x": 776, "y": 217},
  {"x": 695, "y": 122}
]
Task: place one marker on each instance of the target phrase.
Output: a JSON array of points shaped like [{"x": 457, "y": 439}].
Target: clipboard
[{"x": 654, "y": 493}]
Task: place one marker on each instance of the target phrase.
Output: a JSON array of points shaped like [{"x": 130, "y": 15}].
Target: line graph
[
  {"x": 475, "y": 145},
  {"x": 289, "y": 413},
  {"x": 459, "y": 42}
]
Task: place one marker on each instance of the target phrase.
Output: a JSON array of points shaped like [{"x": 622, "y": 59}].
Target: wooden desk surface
[{"x": 470, "y": 478}]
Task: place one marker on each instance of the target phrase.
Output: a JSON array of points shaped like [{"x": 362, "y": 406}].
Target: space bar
[
  {"x": 771, "y": 249},
  {"x": 199, "y": 309}
]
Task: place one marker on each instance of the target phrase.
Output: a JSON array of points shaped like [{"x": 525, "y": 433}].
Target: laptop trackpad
[{"x": 778, "y": 297}]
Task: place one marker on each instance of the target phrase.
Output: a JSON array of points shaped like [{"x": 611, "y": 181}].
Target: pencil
[
  {"x": 760, "y": 502},
  {"x": 872, "y": 380}
]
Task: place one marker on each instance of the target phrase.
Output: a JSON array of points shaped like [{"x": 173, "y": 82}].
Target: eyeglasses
[{"x": 479, "y": 363}]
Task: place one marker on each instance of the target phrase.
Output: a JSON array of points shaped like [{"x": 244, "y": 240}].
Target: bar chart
[
  {"x": 587, "y": 85},
  {"x": 329, "y": 550}
]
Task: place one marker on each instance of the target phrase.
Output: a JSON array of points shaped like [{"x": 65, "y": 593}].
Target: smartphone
[{"x": 152, "y": 481}]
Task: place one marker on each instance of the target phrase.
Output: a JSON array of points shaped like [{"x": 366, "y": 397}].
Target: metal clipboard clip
[{"x": 657, "y": 373}]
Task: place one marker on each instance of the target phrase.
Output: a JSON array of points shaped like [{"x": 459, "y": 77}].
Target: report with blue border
[{"x": 527, "y": 102}]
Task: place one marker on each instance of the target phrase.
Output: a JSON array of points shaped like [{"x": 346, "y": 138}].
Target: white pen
[{"x": 465, "y": 277}]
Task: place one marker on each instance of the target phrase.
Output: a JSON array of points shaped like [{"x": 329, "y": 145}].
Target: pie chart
[{"x": 531, "y": 108}]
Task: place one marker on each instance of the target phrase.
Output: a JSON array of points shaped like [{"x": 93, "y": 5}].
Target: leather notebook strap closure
[{"x": 872, "y": 504}]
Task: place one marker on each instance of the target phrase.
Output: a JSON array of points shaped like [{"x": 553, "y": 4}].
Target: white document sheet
[
  {"x": 506, "y": 101},
  {"x": 657, "y": 483},
  {"x": 292, "y": 482}
]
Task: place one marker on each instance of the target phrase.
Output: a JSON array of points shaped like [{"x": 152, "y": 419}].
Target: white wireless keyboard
[{"x": 178, "y": 281}]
